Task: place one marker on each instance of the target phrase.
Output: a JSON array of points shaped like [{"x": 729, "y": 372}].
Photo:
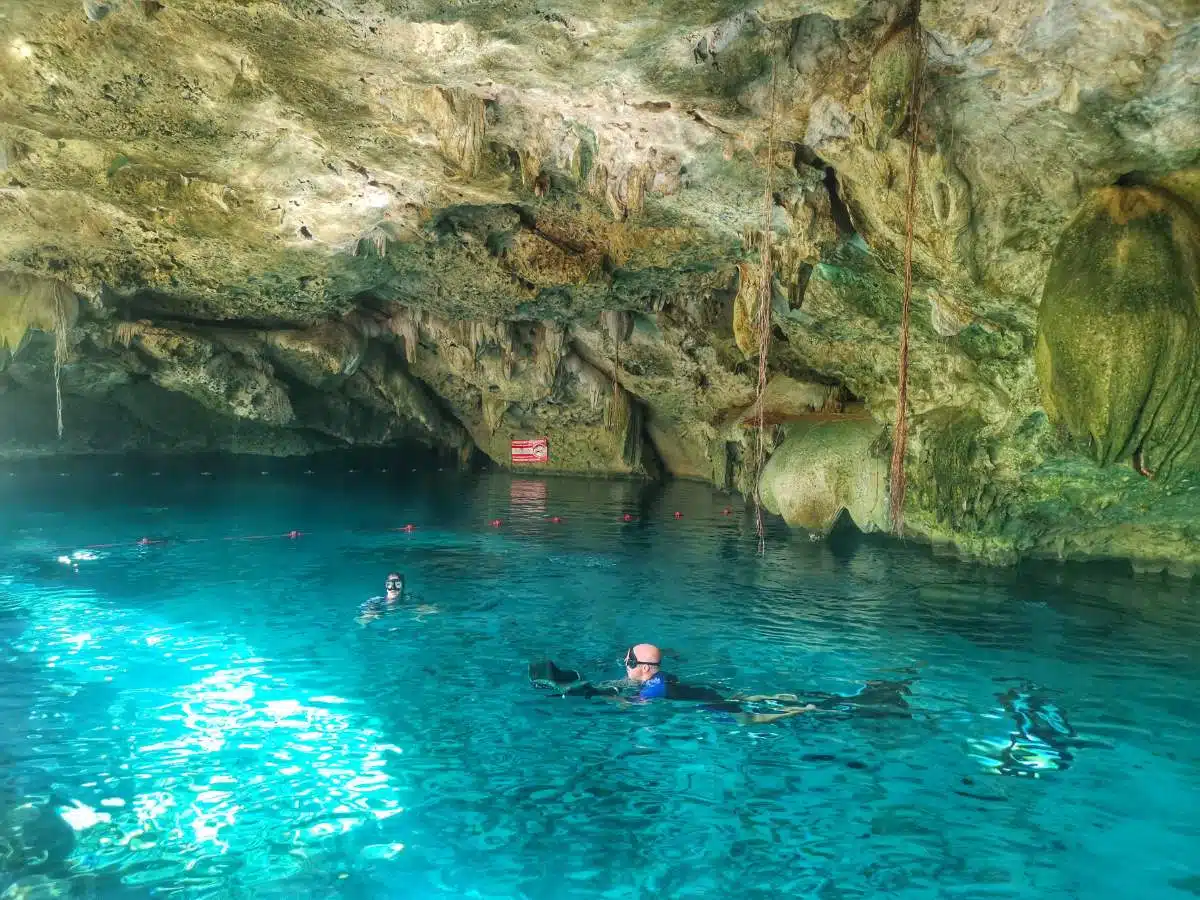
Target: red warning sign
[{"x": 535, "y": 451}]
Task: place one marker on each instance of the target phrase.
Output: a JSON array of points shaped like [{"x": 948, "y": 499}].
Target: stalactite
[
  {"x": 550, "y": 340},
  {"x": 900, "y": 441},
  {"x": 764, "y": 320},
  {"x": 493, "y": 412},
  {"x": 619, "y": 325},
  {"x": 406, "y": 323}
]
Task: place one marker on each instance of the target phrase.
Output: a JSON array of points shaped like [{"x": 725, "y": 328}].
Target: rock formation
[{"x": 276, "y": 227}]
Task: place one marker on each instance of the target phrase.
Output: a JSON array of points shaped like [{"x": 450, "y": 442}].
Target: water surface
[{"x": 205, "y": 717}]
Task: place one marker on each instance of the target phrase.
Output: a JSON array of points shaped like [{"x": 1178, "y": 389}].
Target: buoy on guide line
[
  {"x": 727, "y": 511},
  {"x": 496, "y": 523},
  {"x": 292, "y": 535},
  {"x": 408, "y": 528},
  {"x": 556, "y": 520},
  {"x": 678, "y": 514},
  {"x": 627, "y": 517}
]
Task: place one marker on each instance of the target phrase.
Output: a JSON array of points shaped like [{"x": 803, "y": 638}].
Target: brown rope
[
  {"x": 900, "y": 443},
  {"x": 61, "y": 351},
  {"x": 764, "y": 320}
]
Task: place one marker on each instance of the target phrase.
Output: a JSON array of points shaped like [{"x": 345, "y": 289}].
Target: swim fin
[{"x": 546, "y": 674}]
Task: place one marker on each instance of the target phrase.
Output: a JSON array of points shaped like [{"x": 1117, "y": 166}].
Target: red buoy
[
  {"x": 409, "y": 527},
  {"x": 557, "y": 520},
  {"x": 293, "y": 535},
  {"x": 496, "y": 523},
  {"x": 727, "y": 511},
  {"x": 627, "y": 517},
  {"x": 678, "y": 514}
]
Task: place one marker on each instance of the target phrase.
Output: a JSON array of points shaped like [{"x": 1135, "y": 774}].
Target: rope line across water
[{"x": 294, "y": 535}]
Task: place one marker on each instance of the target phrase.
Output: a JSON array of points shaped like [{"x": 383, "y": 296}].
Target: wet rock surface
[{"x": 285, "y": 227}]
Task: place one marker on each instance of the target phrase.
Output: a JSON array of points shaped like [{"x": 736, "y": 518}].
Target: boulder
[{"x": 824, "y": 468}]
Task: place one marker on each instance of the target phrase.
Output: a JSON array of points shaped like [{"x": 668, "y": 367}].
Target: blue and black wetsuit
[
  {"x": 663, "y": 687},
  {"x": 877, "y": 699}
]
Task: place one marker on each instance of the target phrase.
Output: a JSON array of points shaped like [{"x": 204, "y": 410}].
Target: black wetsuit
[{"x": 877, "y": 699}]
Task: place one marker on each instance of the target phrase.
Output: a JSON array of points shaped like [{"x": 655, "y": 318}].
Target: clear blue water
[{"x": 206, "y": 717}]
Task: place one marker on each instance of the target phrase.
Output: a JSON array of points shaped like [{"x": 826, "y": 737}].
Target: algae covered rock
[
  {"x": 823, "y": 468},
  {"x": 1118, "y": 346},
  {"x": 894, "y": 67}
]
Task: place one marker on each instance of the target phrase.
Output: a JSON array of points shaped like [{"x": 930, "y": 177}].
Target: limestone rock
[
  {"x": 293, "y": 225},
  {"x": 1118, "y": 347},
  {"x": 823, "y": 469},
  {"x": 894, "y": 69},
  {"x": 30, "y": 301},
  {"x": 319, "y": 356}
]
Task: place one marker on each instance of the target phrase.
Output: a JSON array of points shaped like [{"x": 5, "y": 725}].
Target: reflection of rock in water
[{"x": 1043, "y": 739}]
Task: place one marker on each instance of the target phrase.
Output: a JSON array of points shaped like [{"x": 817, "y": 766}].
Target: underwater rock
[
  {"x": 823, "y": 468},
  {"x": 1118, "y": 345}
]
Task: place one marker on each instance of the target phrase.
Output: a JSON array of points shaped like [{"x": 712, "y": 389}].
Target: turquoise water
[{"x": 206, "y": 718}]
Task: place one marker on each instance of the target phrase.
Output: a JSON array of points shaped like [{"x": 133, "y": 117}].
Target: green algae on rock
[
  {"x": 1118, "y": 348},
  {"x": 893, "y": 71}
]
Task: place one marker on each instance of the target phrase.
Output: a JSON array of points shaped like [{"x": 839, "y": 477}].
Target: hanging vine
[
  {"x": 764, "y": 321},
  {"x": 62, "y": 349},
  {"x": 900, "y": 442}
]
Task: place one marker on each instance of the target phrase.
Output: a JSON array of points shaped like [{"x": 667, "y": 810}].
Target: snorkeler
[
  {"x": 1043, "y": 738},
  {"x": 393, "y": 593},
  {"x": 646, "y": 679},
  {"x": 376, "y": 607},
  {"x": 394, "y": 587}
]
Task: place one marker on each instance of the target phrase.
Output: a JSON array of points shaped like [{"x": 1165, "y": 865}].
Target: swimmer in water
[
  {"x": 643, "y": 668},
  {"x": 394, "y": 587},
  {"x": 1043, "y": 738},
  {"x": 393, "y": 595},
  {"x": 644, "y": 674}
]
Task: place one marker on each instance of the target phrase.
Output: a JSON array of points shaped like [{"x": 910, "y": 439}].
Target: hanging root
[
  {"x": 764, "y": 321},
  {"x": 900, "y": 442},
  {"x": 62, "y": 349}
]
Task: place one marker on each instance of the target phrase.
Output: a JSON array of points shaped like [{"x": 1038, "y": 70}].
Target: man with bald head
[
  {"x": 643, "y": 670},
  {"x": 643, "y": 665}
]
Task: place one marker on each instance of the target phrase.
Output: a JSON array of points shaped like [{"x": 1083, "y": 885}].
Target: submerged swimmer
[
  {"x": 645, "y": 680},
  {"x": 1043, "y": 739}
]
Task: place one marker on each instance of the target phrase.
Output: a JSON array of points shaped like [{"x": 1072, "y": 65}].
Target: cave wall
[{"x": 288, "y": 226}]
